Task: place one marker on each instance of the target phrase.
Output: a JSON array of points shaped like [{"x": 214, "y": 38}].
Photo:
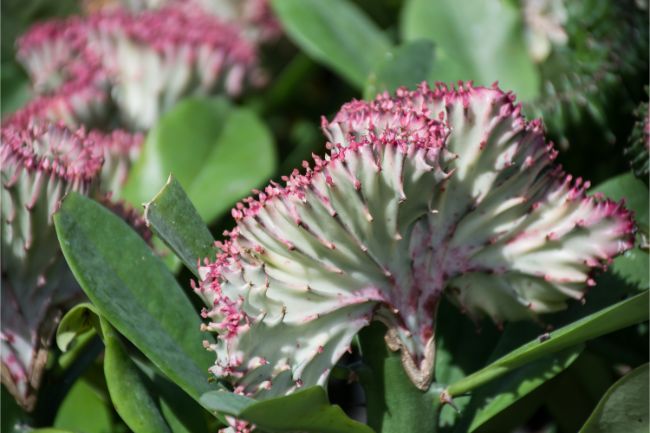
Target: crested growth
[
  {"x": 40, "y": 164},
  {"x": 140, "y": 62},
  {"x": 429, "y": 193}
]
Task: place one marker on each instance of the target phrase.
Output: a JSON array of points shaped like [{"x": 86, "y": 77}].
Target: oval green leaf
[
  {"x": 407, "y": 65},
  {"x": 335, "y": 33},
  {"x": 474, "y": 40},
  {"x": 216, "y": 151},
  {"x": 624, "y": 407},
  {"x": 174, "y": 219},
  {"x": 133, "y": 289}
]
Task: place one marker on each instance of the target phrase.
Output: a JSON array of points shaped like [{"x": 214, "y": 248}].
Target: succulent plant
[
  {"x": 158, "y": 56},
  {"x": 639, "y": 143},
  {"x": 431, "y": 193},
  {"x": 121, "y": 150},
  {"x": 40, "y": 164},
  {"x": 141, "y": 62},
  {"x": 254, "y": 17}
]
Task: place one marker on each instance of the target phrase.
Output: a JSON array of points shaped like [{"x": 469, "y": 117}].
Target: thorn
[{"x": 445, "y": 398}]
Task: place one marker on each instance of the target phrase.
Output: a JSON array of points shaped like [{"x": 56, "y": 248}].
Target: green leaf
[
  {"x": 455, "y": 358},
  {"x": 618, "y": 316},
  {"x": 394, "y": 404},
  {"x": 84, "y": 411},
  {"x": 500, "y": 395},
  {"x": 14, "y": 86},
  {"x": 129, "y": 394},
  {"x": 407, "y": 65},
  {"x": 174, "y": 219},
  {"x": 307, "y": 410},
  {"x": 133, "y": 289},
  {"x": 624, "y": 407},
  {"x": 336, "y": 33},
  {"x": 13, "y": 415},
  {"x": 632, "y": 266},
  {"x": 76, "y": 322},
  {"x": 474, "y": 40},
  {"x": 216, "y": 151}
]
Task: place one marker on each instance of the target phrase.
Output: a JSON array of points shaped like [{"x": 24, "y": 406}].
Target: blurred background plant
[{"x": 226, "y": 95}]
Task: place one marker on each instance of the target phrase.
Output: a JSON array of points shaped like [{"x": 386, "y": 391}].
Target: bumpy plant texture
[
  {"x": 431, "y": 193},
  {"x": 141, "y": 62},
  {"x": 639, "y": 143},
  {"x": 591, "y": 50},
  {"x": 253, "y": 16},
  {"x": 40, "y": 165}
]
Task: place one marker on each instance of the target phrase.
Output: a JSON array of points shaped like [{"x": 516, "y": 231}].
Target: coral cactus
[
  {"x": 40, "y": 164},
  {"x": 121, "y": 150},
  {"x": 145, "y": 61},
  {"x": 435, "y": 192},
  {"x": 156, "y": 57}
]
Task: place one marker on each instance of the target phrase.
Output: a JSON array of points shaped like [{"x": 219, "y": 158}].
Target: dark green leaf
[
  {"x": 79, "y": 320},
  {"x": 216, "y": 151},
  {"x": 499, "y": 395},
  {"x": 336, "y": 33},
  {"x": 624, "y": 408},
  {"x": 474, "y": 40},
  {"x": 618, "y": 316},
  {"x": 133, "y": 289},
  {"x": 79, "y": 404},
  {"x": 307, "y": 410},
  {"x": 174, "y": 219},
  {"x": 455, "y": 358},
  {"x": 407, "y": 65},
  {"x": 129, "y": 394}
]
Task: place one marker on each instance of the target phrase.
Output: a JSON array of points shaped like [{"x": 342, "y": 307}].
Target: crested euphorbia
[
  {"x": 40, "y": 164},
  {"x": 435, "y": 192},
  {"x": 157, "y": 57},
  {"x": 121, "y": 150},
  {"x": 145, "y": 61}
]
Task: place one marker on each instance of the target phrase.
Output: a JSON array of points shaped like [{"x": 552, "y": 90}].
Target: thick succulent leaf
[
  {"x": 615, "y": 317},
  {"x": 174, "y": 219},
  {"x": 217, "y": 152},
  {"x": 478, "y": 41},
  {"x": 133, "y": 290},
  {"x": 279, "y": 414},
  {"x": 335, "y": 33},
  {"x": 126, "y": 386},
  {"x": 624, "y": 407},
  {"x": 77, "y": 321},
  {"x": 500, "y": 395},
  {"x": 82, "y": 400},
  {"x": 406, "y": 65}
]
